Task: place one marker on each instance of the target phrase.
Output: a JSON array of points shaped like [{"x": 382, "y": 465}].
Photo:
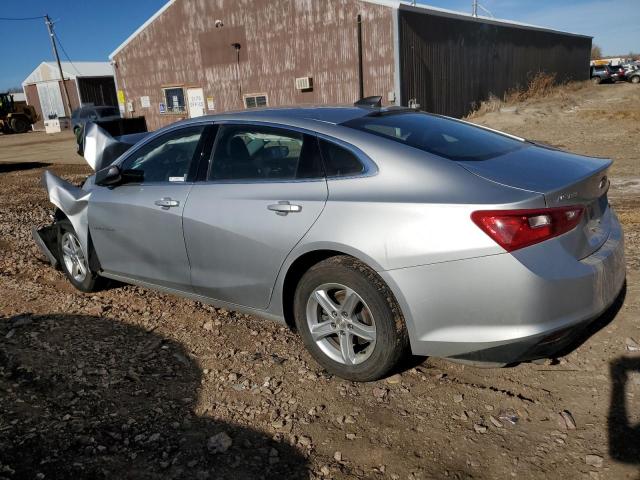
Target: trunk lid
[{"x": 564, "y": 179}]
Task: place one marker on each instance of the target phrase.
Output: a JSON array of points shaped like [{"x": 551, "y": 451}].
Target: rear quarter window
[
  {"x": 440, "y": 136},
  {"x": 338, "y": 161}
]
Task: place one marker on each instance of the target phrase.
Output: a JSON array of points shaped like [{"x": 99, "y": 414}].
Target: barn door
[{"x": 195, "y": 99}]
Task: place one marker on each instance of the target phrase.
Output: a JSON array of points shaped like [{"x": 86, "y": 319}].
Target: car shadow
[
  {"x": 6, "y": 167},
  {"x": 624, "y": 435},
  {"x": 90, "y": 397}
]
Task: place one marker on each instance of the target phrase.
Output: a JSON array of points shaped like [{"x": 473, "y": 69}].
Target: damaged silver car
[{"x": 374, "y": 232}]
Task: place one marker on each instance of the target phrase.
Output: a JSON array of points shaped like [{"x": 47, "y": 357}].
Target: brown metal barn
[{"x": 195, "y": 57}]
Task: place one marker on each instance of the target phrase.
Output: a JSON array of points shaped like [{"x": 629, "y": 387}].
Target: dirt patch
[{"x": 131, "y": 383}]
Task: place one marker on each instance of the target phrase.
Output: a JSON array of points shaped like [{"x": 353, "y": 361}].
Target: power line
[
  {"x": 65, "y": 52},
  {"x": 22, "y": 19}
]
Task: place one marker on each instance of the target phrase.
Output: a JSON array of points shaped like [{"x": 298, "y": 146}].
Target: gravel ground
[{"x": 130, "y": 383}]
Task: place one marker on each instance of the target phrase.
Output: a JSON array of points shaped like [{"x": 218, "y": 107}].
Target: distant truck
[{"x": 15, "y": 117}]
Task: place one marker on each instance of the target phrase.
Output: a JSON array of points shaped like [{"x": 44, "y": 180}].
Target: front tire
[
  {"x": 19, "y": 125},
  {"x": 596, "y": 80},
  {"x": 74, "y": 261},
  {"x": 635, "y": 79},
  {"x": 349, "y": 320}
]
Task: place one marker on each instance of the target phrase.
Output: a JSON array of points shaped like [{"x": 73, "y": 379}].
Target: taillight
[{"x": 514, "y": 229}]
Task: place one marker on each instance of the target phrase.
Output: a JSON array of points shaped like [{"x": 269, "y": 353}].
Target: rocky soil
[{"x": 130, "y": 383}]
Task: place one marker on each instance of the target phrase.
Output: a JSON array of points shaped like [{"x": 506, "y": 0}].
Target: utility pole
[
  {"x": 474, "y": 8},
  {"x": 49, "y": 23}
]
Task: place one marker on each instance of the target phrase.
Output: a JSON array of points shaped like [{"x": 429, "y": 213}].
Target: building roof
[
  {"x": 420, "y": 7},
  {"x": 49, "y": 71},
  {"x": 395, "y": 4}
]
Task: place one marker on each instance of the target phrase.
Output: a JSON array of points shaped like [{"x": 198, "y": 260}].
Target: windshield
[{"x": 441, "y": 136}]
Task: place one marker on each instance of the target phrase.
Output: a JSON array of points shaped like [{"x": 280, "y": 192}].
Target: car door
[
  {"x": 137, "y": 228},
  {"x": 264, "y": 190}
]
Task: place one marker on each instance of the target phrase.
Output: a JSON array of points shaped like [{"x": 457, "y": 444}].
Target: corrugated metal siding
[
  {"x": 449, "y": 64},
  {"x": 285, "y": 39}
]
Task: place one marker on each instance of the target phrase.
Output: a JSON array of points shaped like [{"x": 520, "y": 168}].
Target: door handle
[
  {"x": 167, "y": 203},
  {"x": 284, "y": 208}
]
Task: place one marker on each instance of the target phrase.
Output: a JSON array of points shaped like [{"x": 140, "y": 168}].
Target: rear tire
[
  {"x": 364, "y": 337},
  {"x": 596, "y": 80},
  {"x": 19, "y": 125},
  {"x": 73, "y": 260}
]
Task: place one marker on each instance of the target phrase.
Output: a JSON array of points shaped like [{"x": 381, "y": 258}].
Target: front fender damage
[{"x": 73, "y": 202}]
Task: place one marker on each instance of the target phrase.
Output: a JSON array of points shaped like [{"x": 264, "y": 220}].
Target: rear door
[
  {"x": 137, "y": 228},
  {"x": 264, "y": 190}
]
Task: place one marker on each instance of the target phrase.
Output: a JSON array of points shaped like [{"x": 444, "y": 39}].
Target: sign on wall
[
  {"x": 211, "y": 105},
  {"x": 163, "y": 108},
  {"x": 195, "y": 98},
  {"x": 145, "y": 102}
]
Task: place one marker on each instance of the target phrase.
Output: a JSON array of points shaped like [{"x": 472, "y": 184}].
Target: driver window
[
  {"x": 247, "y": 152},
  {"x": 167, "y": 158}
]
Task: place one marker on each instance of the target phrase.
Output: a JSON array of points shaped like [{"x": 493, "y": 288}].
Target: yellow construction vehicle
[{"x": 15, "y": 117}]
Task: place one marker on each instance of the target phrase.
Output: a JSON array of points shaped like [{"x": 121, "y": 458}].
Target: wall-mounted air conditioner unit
[{"x": 304, "y": 83}]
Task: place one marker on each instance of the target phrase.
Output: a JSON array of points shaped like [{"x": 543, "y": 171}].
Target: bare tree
[{"x": 596, "y": 52}]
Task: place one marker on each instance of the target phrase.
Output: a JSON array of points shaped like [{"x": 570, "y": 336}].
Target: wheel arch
[{"x": 303, "y": 261}]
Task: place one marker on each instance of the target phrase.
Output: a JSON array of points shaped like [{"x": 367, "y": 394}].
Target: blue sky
[{"x": 91, "y": 29}]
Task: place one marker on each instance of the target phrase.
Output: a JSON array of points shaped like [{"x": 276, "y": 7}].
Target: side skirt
[{"x": 195, "y": 296}]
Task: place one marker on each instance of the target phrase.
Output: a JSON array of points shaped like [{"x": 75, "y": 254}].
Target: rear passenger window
[
  {"x": 338, "y": 161},
  {"x": 251, "y": 152}
]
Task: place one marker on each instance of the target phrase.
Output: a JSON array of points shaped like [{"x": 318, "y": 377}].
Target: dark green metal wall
[{"x": 450, "y": 63}]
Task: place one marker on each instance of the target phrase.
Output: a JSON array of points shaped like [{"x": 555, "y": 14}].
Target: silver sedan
[{"x": 373, "y": 232}]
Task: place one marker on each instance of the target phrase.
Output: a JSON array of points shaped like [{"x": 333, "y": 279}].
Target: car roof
[{"x": 332, "y": 115}]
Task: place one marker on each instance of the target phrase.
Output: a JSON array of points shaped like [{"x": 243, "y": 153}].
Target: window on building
[
  {"x": 255, "y": 101},
  {"x": 174, "y": 100}
]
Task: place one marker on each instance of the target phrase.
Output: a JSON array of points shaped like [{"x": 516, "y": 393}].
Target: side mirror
[{"x": 109, "y": 177}]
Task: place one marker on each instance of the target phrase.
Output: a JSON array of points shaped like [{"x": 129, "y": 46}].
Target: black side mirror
[{"x": 109, "y": 177}]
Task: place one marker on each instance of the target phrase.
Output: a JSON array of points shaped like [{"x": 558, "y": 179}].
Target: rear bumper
[{"x": 506, "y": 308}]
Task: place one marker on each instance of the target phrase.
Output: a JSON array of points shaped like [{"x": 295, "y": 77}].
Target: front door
[
  {"x": 265, "y": 189},
  {"x": 137, "y": 228},
  {"x": 195, "y": 99}
]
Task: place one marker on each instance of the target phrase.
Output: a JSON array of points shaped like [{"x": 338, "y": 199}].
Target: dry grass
[
  {"x": 541, "y": 85},
  {"x": 618, "y": 113}
]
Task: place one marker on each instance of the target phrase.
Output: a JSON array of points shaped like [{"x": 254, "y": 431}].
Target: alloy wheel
[
  {"x": 341, "y": 323},
  {"x": 73, "y": 257}
]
